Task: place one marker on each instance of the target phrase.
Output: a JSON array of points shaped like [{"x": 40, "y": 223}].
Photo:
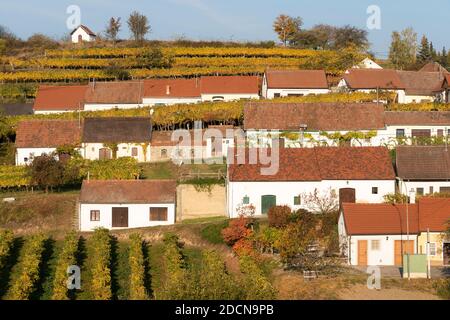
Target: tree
[
  {"x": 39, "y": 40},
  {"x": 402, "y": 52},
  {"x": 46, "y": 172},
  {"x": 324, "y": 202},
  {"x": 279, "y": 216},
  {"x": 113, "y": 28},
  {"x": 138, "y": 25},
  {"x": 287, "y": 27},
  {"x": 155, "y": 58},
  {"x": 424, "y": 53},
  {"x": 238, "y": 229},
  {"x": 119, "y": 73},
  {"x": 2, "y": 46},
  {"x": 349, "y": 36}
]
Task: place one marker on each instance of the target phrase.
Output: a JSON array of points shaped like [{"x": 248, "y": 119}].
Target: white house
[
  {"x": 229, "y": 88},
  {"x": 286, "y": 83},
  {"x": 82, "y": 33},
  {"x": 377, "y": 234},
  {"x": 130, "y": 137},
  {"x": 367, "y": 63},
  {"x": 364, "y": 174},
  {"x": 59, "y": 99},
  {"x": 122, "y": 204},
  {"x": 160, "y": 92},
  {"x": 312, "y": 124},
  {"x": 38, "y": 137},
  {"x": 423, "y": 170}
]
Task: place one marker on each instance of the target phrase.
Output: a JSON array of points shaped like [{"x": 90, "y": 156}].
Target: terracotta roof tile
[
  {"x": 382, "y": 219},
  {"x": 417, "y": 118},
  {"x": 373, "y": 79},
  {"x": 433, "y": 67},
  {"x": 423, "y": 162},
  {"x": 47, "y": 133},
  {"x": 172, "y": 88},
  {"x": 120, "y": 92},
  {"x": 66, "y": 98},
  {"x": 318, "y": 116},
  {"x": 120, "y": 130},
  {"x": 230, "y": 85},
  {"x": 434, "y": 213},
  {"x": 315, "y": 164},
  {"x": 421, "y": 83},
  {"x": 297, "y": 79},
  {"x": 128, "y": 191}
]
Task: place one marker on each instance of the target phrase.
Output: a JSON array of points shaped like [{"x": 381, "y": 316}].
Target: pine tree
[
  {"x": 443, "y": 58},
  {"x": 424, "y": 54}
]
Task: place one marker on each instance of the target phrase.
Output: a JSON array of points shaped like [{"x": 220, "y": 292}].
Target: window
[
  {"x": 193, "y": 153},
  {"x": 246, "y": 200},
  {"x": 375, "y": 245},
  {"x": 95, "y": 215},
  {"x": 440, "y": 133},
  {"x": 374, "y": 190},
  {"x": 431, "y": 190},
  {"x": 277, "y": 95},
  {"x": 158, "y": 214},
  {"x": 444, "y": 189},
  {"x": 124, "y": 148},
  {"x": 432, "y": 248},
  {"x": 134, "y": 152},
  {"x": 448, "y": 132},
  {"x": 419, "y": 191},
  {"x": 25, "y": 159},
  {"x": 163, "y": 153},
  {"x": 400, "y": 133},
  {"x": 93, "y": 149},
  {"x": 297, "y": 201}
]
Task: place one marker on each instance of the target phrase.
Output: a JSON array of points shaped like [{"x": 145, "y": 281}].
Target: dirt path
[{"x": 361, "y": 292}]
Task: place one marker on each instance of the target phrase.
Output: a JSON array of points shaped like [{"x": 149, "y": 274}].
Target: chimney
[{"x": 167, "y": 90}]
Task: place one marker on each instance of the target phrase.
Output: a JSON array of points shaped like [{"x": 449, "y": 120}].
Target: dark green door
[{"x": 267, "y": 202}]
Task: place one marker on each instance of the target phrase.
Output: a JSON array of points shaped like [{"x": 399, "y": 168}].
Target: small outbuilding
[
  {"x": 82, "y": 33},
  {"x": 123, "y": 204}
]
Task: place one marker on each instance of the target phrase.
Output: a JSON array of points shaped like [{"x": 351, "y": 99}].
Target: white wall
[
  {"x": 169, "y": 101},
  {"x": 270, "y": 93},
  {"x": 286, "y": 191},
  {"x": 383, "y": 257},
  {"x": 91, "y": 151},
  {"x": 85, "y": 36},
  {"x": 30, "y": 153},
  {"x": 426, "y": 185},
  {"x": 108, "y": 106},
  {"x": 52, "y": 111},
  {"x": 138, "y": 215},
  {"x": 417, "y": 99},
  {"x": 230, "y": 97}
]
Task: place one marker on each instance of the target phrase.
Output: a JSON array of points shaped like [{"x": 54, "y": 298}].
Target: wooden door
[
  {"x": 80, "y": 38},
  {"x": 268, "y": 202},
  {"x": 104, "y": 154},
  {"x": 446, "y": 254},
  {"x": 401, "y": 248},
  {"x": 120, "y": 217},
  {"x": 362, "y": 252}
]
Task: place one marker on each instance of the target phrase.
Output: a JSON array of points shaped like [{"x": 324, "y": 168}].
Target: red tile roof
[
  {"x": 318, "y": 116},
  {"x": 379, "y": 219},
  {"x": 434, "y": 213},
  {"x": 423, "y": 162},
  {"x": 172, "y": 88},
  {"x": 422, "y": 118},
  {"x": 121, "y": 92},
  {"x": 128, "y": 191},
  {"x": 373, "y": 79},
  {"x": 56, "y": 98},
  {"x": 315, "y": 164},
  {"x": 296, "y": 79},
  {"x": 433, "y": 67},
  {"x": 385, "y": 219},
  {"x": 47, "y": 133},
  {"x": 422, "y": 83},
  {"x": 230, "y": 85}
]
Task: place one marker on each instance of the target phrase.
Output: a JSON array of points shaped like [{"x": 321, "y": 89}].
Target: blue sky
[{"x": 231, "y": 19}]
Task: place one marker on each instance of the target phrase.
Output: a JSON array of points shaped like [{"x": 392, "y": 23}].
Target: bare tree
[
  {"x": 324, "y": 202},
  {"x": 138, "y": 25},
  {"x": 113, "y": 28}
]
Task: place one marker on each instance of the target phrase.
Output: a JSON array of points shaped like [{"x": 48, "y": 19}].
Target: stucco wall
[
  {"x": 169, "y": 101},
  {"x": 138, "y": 215},
  {"x": 230, "y": 97},
  {"x": 85, "y": 36},
  {"x": 438, "y": 239},
  {"x": 108, "y": 106},
  {"x": 286, "y": 191},
  {"x": 270, "y": 93},
  {"x": 29, "y": 153},
  {"x": 91, "y": 151},
  {"x": 192, "y": 203}
]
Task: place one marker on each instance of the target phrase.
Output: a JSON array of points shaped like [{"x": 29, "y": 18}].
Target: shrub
[
  {"x": 255, "y": 284},
  {"x": 46, "y": 172},
  {"x": 31, "y": 254},
  {"x": 137, "y": 269},
  {"x": 67, "y": 257},
  {"x": 101, "y": 272},
  {"x": 443, "y": 288},
  {"x": 279, "y": 216},
  {"x": 213, "y": 232},
  {"x": 238, "y": 229},
  {"x": 6, "y": 242}
]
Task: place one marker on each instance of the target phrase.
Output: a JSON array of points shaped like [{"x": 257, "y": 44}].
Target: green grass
[
  {"x": 160, "y": 170},
  {"x": 213, "y": 232},
  {"x": 205, "y": 220}
]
